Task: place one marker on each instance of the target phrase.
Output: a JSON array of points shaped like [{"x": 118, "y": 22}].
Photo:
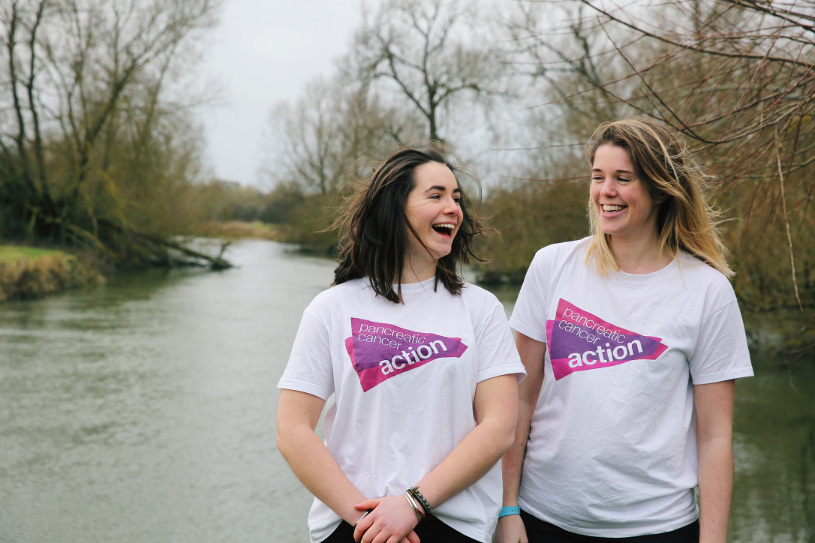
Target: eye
[
  {"x": 435, "y": 196},
  {"x": 457, "y": 199},
  {"x": 623, "y": 179},
  {"x": 596, "y": 177}
]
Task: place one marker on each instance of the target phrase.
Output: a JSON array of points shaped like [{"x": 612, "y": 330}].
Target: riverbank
[
  {"x": 30, "y": 272},
  {"x": 241, "y": 230}
]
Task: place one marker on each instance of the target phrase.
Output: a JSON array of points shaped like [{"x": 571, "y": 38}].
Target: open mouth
[
  {"x": 445, "y": 229},
  {"x": 607, "y": 208}
]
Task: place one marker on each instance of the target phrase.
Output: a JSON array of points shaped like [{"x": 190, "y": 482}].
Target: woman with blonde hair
[
  {"x": 631, "y": 339},
  {"x": 415, "y": 367}
]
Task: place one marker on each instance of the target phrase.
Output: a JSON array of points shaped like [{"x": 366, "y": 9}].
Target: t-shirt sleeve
[
  {"x": 309, "y": 368},
  {"x": 497, "y": 354},
  {"x": 721, "y": 351},
  {"x": 529, "y": 314}
]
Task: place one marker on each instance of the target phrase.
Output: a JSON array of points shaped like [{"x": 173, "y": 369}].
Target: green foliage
[
  {"x": 310, "y": 221},
  {"x": 93, "y": 151},
  {"x": 227, "y": 201},
  {"x": 27, "y": 273},
  {"x": 281, "y": 203}
]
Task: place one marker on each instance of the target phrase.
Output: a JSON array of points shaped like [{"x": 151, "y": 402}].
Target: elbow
[
  {"x": 504, "y": 447},
  {"x": 283, "y": 442},
  {"x": 508, "y": 441},
  {"x": 280, "y": 442},
  {"x": 505, "y": 437}
]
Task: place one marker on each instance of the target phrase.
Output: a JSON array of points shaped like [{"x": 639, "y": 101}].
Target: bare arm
[
  {"x": 510, "y": 528},
  {"x": 714, "y": 440},
  {"x": 496, "y": 410},
  {"x": 312, "y": 463}
]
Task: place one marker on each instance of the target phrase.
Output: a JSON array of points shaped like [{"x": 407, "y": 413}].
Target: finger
[
  {"x": 362, "y": 526},
  {"x": 367, "y": 504}
]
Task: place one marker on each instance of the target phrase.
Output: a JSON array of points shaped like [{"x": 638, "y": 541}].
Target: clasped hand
[{"x": 391, "y": 520}]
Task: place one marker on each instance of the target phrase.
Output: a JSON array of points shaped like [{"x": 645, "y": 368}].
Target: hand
[
  {"x": 391, "y": 521},
  {"x": 510, "y": 529}
]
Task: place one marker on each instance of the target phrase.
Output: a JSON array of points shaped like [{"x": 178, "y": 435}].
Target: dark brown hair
[{"x": 374, "y": 230}]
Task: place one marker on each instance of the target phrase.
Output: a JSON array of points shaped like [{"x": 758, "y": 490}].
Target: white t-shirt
[
  {"x": 399, "y": 380},
  {"x": 612, "y": 450}
]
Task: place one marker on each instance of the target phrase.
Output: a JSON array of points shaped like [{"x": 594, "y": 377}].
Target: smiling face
[
  {"x": 433, "y": 211},
  {"x": 625, "y": 209}
]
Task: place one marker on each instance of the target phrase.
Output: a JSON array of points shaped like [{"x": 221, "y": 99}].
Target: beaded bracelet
[{"x": 414, "y": 492}]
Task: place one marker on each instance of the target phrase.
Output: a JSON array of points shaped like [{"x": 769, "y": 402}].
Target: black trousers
[
  {"x": 430, "y": 530},
  {"x": 539, "y": 531}
]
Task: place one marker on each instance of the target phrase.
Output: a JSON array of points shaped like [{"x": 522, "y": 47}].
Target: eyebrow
[
  {"x": 616, "y": 171},
  {"x": 441, "y": 188}
]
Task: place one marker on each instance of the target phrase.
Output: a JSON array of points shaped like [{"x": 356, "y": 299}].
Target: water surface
[{"x": 144, "y": 411}]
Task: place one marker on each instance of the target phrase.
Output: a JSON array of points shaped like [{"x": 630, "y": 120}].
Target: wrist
[
  {"x": 509, "y": 510},
  {"x": 414, "y": 493},
  {"x": 417, "y": 510}
]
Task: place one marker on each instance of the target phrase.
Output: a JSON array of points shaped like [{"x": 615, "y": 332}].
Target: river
[{"x": 143, "y": 411}]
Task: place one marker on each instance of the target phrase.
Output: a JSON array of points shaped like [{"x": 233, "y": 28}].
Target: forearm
[
  {"x": 714, "y": 442},
  {"x": 510, "y": 528},
  {"x": 467, "y": 462},
  {"x": 313, "y": 464},
  {"x": 496, "y": 408},
  {"x": 532, "y": 354},
  {"x": 715, "y": 489},
  {"x": 310, "y": 460},
  {"x": 513, "y": 459}
]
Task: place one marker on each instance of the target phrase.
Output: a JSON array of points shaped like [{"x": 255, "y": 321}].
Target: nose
[
  {"x": 608, "y": 187},
  {"x": 451, "y": 207}
]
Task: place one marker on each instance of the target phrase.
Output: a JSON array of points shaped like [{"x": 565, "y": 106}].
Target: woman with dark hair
[
  {"x": 632, "y": 339},
  {"x": 416, "y": 369}
]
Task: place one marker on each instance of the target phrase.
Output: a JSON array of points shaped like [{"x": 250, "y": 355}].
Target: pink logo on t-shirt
[
  {"x": 380, "y": 351},
  {"x": 580, "y": 341}
]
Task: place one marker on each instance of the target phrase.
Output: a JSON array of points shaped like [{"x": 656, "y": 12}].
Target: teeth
[
  {"x": 445, "y": 225},
  {"x": 612, "y": 209}
]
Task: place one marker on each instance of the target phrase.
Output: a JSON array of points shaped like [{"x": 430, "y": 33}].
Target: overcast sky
[{"x": 261, "y": 53}]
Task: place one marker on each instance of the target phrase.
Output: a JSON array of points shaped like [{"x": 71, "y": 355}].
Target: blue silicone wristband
[{"x": 509, "y": 510}]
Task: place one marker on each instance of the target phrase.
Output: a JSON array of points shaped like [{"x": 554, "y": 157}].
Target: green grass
[
  {"x": 29, "y": 272},
  {"x": 12, "y": 253}
]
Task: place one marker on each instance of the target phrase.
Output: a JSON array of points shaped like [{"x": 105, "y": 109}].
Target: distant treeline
[{"x": 99, "y": 148}]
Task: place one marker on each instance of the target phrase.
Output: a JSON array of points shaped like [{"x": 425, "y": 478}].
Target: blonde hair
[{"x": 685, "y": 221}]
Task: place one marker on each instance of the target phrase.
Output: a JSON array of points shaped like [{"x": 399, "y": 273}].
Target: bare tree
[
  {"x": 85, "y": 92},
  {"x": 313, "y": 143},
  {"x": 736, "y": 77},
  {"x": 434, "y": 54}
]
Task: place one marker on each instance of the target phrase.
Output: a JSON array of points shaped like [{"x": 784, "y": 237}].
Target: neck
[
  {"x": 415, "y": 272},
  {"x": 639, "y": 256}
]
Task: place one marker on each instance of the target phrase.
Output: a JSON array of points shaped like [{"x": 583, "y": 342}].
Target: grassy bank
[
  {"x": 241, "y": 229},
  {"x": 29, "y": 272}
]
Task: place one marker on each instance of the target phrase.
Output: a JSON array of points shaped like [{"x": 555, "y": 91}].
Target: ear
[{"x": 659, "y": 197}]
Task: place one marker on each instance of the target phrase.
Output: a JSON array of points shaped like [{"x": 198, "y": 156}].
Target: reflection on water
[
  {"x": 774, "y": 445},
  {"x": 143, "y": 411}
]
